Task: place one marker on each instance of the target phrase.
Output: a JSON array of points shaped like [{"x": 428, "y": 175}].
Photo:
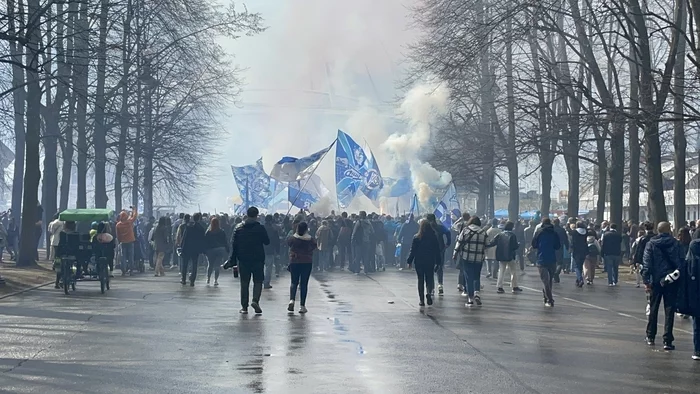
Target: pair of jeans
[
  {"x": 492, "y": 268},
  {"x": 578, "y": 268},
  {"x": 696, "y": 334},
  {"x": 127, "y": 261},
  {"x": 270, "y": 262},
  {"x": 472, "y": 276},
  {"x": 426, "y": 278},
  {"x": 612, "y": 267},
  {"x": 669, "y": 295},
  {"x": 215, "y": 257},
  {"x": 547, "y": 272},
  {"x": 300, "y": 272},
  {"x": 191, "y": 262},
  {"x": 510, "y": 265},
  {"x": 256, "y": 271}
]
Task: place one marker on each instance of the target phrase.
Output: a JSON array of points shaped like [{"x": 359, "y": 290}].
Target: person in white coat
[
  {"x": 491, "y": 262},
  {"x": 54, "y": 229}
]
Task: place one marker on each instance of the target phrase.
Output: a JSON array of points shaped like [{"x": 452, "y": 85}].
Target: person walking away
[
  {"x": 343, "y": 242},
  {"x": 301, "y": 249},
  {"x": 579, "y": 250},
  {"x": 380, "y": 239},
  {"x": 470, "y": 250},
  {"x": 217, "y": 249},
  {"x": 325, "y": 248},
  {"x": 546, "y": 242},
  {"x": 636, "y": 266},
  {"x": 272, "y": 250},
  {"x": 519, "y": 232},
  {"x": 248, "y": 253},
  {"x": 506, "y": 254},
  {"x": 491, "y": 262},
  {"x": 12, "y": 237},
  {"x": 458, "y": 227},
  {"x": 363, "y": 244},
  {"x": 444, "y": 240},
  {"x": 427, "y": 254},
  {"x": 689, "y": 292},
  {"x": 127, "y": 239},
  {"x": 663, "y": 256},
  {"x": 684, "y": 239},
  {"x": 560, "y": 253},
  {"x": 611, "y": 251},
  {"x": 591, "y": 263},
  {"x": 161, "y": 244},
  {"x": 55, "y": 228},
  {"x": 103, "y": 244},
  {"x": 408, "y": 231},
  {"x": 192, "y": 245}
]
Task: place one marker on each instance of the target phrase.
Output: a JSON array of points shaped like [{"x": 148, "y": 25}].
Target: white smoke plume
[
  {"x": 324, "y": 206},
  {"x": 420, "y": 107}
]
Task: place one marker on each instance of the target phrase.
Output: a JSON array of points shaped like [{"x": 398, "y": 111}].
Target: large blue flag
[
  {"x": 253, "y": 184},
  {"x": 414, "y": 208},
  {"x": 354, "y": 171},
  {"x": 448, "y": 206},
  {"x": 304, "y": 194},
  {"x": 291, "y": 169},
  {"x": 396, "y": 187}
]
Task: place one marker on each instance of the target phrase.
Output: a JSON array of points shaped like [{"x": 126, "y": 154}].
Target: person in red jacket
[
  {"x": 126, "y": 238},
  {"x": 301, "y": 254}
]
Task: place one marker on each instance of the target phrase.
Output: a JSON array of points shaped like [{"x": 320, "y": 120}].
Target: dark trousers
[
  {"x": 362, "y": 255},
  {"x": 669, "y": 294},
  {"x": 300, "y": 278},
  {"x": 547, "y": 273},
  {"x": 257, "y": 272},
  {"x": 461, "y": 277},
  {"x": 441, "y": 271},
  {"x": 344, "y": 255},
  {"x": 426, "y": 278},
  {"x": 405, "y": 250},
  {"x": 189, "y": 261},
  {"x": 472, "y": 277},
  {"x": 520, "y": 258}
]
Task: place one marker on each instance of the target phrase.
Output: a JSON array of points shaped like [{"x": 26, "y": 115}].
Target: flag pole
[{"x": 311, "y": 175}]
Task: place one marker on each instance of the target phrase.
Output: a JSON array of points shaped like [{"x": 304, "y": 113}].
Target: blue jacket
[
  {"x": 547, "y": 242},
  {"x": 662, "y": 255},
  {"x": 689, "y": 290}
]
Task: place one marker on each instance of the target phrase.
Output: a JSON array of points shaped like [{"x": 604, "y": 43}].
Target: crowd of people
[{"x": 257, "y": 248}]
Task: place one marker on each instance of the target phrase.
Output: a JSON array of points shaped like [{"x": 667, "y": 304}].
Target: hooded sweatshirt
[
  {"x": 546, "y": 241},
  {"x": 125, "y": 227},
  {"x": 662, "y": 255},
  {"x": 301, "y": 249},
  {"x": 579, "y": 243}
]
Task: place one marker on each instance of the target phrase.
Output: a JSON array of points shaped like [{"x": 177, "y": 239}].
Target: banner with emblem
[
  {"x": 355, "y": 171},
  {"x": 253, "y": 184}
]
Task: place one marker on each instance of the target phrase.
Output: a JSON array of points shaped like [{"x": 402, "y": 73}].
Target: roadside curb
[{"x": 25, "y": 290}]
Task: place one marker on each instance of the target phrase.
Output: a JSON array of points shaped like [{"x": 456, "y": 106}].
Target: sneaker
[
  {"x": 441, "y": 290},
  {"x": 469, "y": 303},
  {"x": 638, "y": 285},
  {"x": 268, "y": 287},
  {"x": 464, "y": 294},
  {"x": 696, "y": 356},
  {"x": 650, "y": 341},
  {"x": 669, "y": 346},
  {"x": 516, "y": 290},
  {"x": 216, "y": 283},
  {"x": 615, "y": 284},
  {"x": 460, "y": 288},
  {"x": 477, "y": 299},
  {"x": 183, "y": 282},
  {"x": 500, "y": 290},
  {"x": 156, "y": 275},
  {"x": 488, "y": 276},
  {"x": 610, "y": 285},
  {"x": 208, "y": 280},
  {"x": 303, "y": 309},
  {"x": 589, "y": 283},
  {"x": 429, "y": 297},
  {"x": 191, "y": 283},
  {"x": 421, "y": 303},
  {"x": 290, "y": 307},
  {"x": 256, "y": 307},
  {"x": 243, "y": 311},
  {"x": 548, "y": 304}
]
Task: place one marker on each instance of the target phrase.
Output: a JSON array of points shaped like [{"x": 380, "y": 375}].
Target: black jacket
[
  {"x": 506, "y": 246},
  {"x": 408, "y": 231},
  {"x": 216, "y": 239},
  {"x": 248, "y": 243},
  {"x": 579, "y": 244},
  {"x": 611, "y": 244},
  {"x": 425, "y": 251},
  {"x": 563, "y": 238},
  {"x": 638, "y": 257},
  {"x": 663, "y": 254},
  {"x": 193, "y": 242},
  {"x": 689, "y": 290},
  {"x": 273, "y": 248}
]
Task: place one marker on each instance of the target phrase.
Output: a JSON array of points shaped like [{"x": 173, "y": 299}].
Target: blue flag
[
  {"x": 354, "y": 171},
  {"x": 396, "y": 187},
  {"x": 448, "y": 206},
  {"x": 414, "y": 208},
  {"x": 253, "y": 184},
  {"x": 291, "y": 169},
  {"x": 304, "y": 194}
]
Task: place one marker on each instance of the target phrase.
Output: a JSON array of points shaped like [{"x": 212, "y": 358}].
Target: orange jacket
[{"x": 125, "y": 227}]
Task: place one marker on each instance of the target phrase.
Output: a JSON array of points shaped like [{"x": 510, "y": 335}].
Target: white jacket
[{"x": 492, "y": 233}]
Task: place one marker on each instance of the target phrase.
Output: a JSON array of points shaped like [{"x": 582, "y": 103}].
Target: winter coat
[
  {"x": 301, "y": 249},
  {"x": 323, "y": 238},
  {"x": 248, "y": 243},
  {"x": 563, "y": 241},
  {"x": 363, "y": 233},
  {"x": 546, "y": 241},
  {"x": 408, "y": 231},
  {"x": 471, "y": 245},
  {"x": 425, "y": 251},
  {"x": 662, "y": 255},
  {"x": 273, "y": 233},
  {"x": 125, "y": 227},
  {"x": 344, "y": 236},
  {"x": 193, "y": 243},
  {"x": 215, "y": 239},
  {"x": 161, "y": 239},
  {"x": 638, "y": 257},
  {"x": 491, "y": 251},
  {"x": 444, "y": 236},
  {"x": 688, "y": 301},
  {"x": 506, "y": 246},
  {"x": 579, "y": 243},
  {"x": 611, "y": 244}
]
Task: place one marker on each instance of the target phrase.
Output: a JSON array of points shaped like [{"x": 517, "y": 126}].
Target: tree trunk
[
  {"x": 100, "y": 134},
  {"x": 617, "y": 166},
  {"x": 124, "y": 110},
  {"x": 482, "y": 198},
  {"x": 633, "y": 133},
  {"x": 28, "y": 242},
  {"x": 679, "y": 138},
  {"x": 67, "y": 147},
  {"x": 81, "y": 89},
  {"x": 18, "y": 102},
  {"x": 511, "y": 153}
]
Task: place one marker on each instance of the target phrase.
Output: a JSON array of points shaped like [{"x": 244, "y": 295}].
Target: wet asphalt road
[{"x": 361, "y": 335}]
